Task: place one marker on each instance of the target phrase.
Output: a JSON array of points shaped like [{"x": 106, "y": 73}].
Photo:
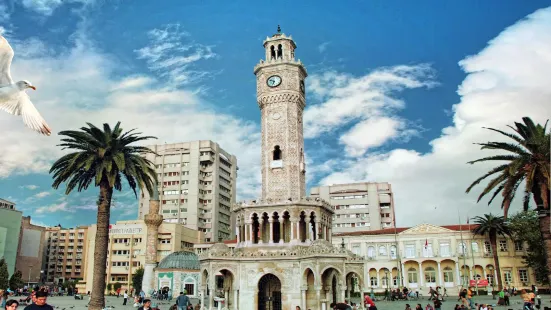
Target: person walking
[
  {"x": 506, "y": 295},
  {"x": 182, "y": 301},
  {"x": 125, "y": 298}
]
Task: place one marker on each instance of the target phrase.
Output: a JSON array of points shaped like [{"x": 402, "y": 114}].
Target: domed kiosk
[{"x": 179, "y": 271}]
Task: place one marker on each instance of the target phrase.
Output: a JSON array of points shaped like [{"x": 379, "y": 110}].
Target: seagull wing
[
  {"x": 6, "y": 56},
  {"x": 22, "y": 105}
]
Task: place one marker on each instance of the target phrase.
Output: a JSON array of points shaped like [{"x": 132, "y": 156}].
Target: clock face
[{"x": 274, "y": 81}]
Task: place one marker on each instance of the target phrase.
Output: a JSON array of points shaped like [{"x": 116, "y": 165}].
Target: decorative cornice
[{"x": 285, "y": 97}]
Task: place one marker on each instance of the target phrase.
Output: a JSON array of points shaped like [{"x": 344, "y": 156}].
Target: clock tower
[{"x": 281, "y": 98}]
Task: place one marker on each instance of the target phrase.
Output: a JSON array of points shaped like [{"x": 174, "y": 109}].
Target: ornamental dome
[{"x": 180, "y": 260}]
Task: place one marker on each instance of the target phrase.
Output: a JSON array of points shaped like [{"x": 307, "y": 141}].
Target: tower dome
[{"x": 180, "y": 260}]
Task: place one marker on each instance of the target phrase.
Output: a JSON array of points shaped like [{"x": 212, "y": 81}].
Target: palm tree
[
  {"x": 492, "y": 226},
  {"x": 527, "y": 162},
  {"x": 103, "y": 157}
]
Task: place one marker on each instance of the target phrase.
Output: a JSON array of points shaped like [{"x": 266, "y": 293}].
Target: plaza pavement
[{"x": 69, "y": 303}]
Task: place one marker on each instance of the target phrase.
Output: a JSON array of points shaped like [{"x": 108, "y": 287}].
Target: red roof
[{"x": 391, "y": 231}]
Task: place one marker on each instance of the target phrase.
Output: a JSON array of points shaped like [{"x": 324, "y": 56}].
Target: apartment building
[
  {"x": 127, "y": 245},
  {"x": 425, "y": 255},
  {"x": 10, "y": 227},
  {"x": 30, "y": 251},
  {"x": 359, "y": 206},
  {"x": 65, "y": 253},
  {"x": 197, "y": 187}
]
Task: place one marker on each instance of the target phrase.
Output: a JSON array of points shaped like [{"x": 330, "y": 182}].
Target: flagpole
[
  {"x": 472, "y": 253},
  {"x": 463, "y": 250},
  {"x": 400, "y": 281}
]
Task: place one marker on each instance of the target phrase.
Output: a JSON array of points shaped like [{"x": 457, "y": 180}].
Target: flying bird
[{"x": 13, "y": 98}]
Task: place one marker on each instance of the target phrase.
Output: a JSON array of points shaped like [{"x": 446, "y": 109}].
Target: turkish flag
[{"x": 426, "y": 243}]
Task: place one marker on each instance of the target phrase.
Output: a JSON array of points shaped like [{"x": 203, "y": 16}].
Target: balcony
[{"x": 206, "y": 158}]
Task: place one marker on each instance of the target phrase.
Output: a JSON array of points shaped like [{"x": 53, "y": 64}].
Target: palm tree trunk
[
  {"x": 493, "y": 243},
  {"x": 545, "y": 229},
  {"x": 97, "y": 300}
]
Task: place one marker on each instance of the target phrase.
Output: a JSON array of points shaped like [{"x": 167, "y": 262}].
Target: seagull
[{"x": 13, "y": 98}]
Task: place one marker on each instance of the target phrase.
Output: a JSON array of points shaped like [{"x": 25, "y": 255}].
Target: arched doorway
[{"x": 269, "y": 292}]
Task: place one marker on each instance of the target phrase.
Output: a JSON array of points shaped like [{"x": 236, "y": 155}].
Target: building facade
[
  {"x": 10, "y": 228},
  {"x": 283, "y": 256},
  {"x": 197, "y": 187},
  {"x": 127, "y": 249},
  {"x": 428, "y": 256},
  {"x": 30, "y": 251},
  {"x": 65, "y": 254},
  {"x": 359, "y": 206}
]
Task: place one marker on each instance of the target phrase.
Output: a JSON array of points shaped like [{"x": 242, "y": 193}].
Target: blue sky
[{"x": 398, "y": 90}]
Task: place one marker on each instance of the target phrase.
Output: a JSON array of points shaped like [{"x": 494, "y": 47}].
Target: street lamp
[{"x": 387, "y": 290}]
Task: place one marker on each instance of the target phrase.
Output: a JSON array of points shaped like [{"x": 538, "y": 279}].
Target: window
[
  {"x": 490, "y": 278},
  {"x": 371, "y": 251},
  {"x": 474, "y": 247},
  {"x": 412, "y": 275},
  {"x": 356, "y": 249},
  {"x": 393, "y": 252},
  {"x": 519, "y": 246},
  {"x": 427, "y": 250},
  {"x": 384, "y": 281},
  {"x": 373, "y": 281},
  {"x": 382, "y": 250},
  {"x": 410, "y": 251},
  {"x": 461, "y": 248},
  {"x": 487, "y": 247},
  {"x": 277, "y": 153},
  {"x": 448, "y": 274},
  {"x": 395, "y": 281},
  {"x": 430, "y": 275},
  {"x": 508, "y": 277},
  {"x": 445, "y": 249},
  {"x": 503, "y": 245},
  {"x": 523, "y": 275}
]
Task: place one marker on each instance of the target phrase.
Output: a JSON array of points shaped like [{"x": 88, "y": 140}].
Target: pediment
[{"x": 425, "y": 228}]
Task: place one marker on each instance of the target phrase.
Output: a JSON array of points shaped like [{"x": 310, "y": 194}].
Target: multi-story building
[
  {"x": 10, "y": 228},
  {"x": 30, "y": 251},
  {"x": 359, "y": 206},
  {"x": 197, "y": 187},
  {"x": 65, "y": 253},
  {"x": 127, "y": 245},
  {"x": 426, "y": 256}
]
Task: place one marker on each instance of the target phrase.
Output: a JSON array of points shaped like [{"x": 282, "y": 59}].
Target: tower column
[
  {"x": 260, "y": 231},
  {"x": 271, "y": 222},
  {"x": 293, "y": 227},
  {"x": 238, "y": 234},
  {"x": 251, "y": 238},
  {"x": 152, "y": 220},
  {"x": 281, "y": 233}
]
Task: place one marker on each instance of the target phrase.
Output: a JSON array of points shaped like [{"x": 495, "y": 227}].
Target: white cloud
[
  {"x": 172, "y": 53},
  {"x": 4, "y": 15},
  {"x": 42, "y": 194},
  {"x": 505, "y": 81},
  {"x": 39, "y": 223},
  {"x": 323, "y": 47},
  {"x": 31, "y": 187},
  {"x": 47, "y": 7},
  {"x": 348, "y": 100},
  {"x": 53, "y": 208},
  {"x": 76, "y": 86}
]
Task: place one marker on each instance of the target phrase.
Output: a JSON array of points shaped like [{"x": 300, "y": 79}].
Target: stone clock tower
[{"x": 281, "y": 98}]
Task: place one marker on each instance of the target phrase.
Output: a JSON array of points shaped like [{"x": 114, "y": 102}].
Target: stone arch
[
  {"x": 309, "y": 282},
  {"x": 255, "y": 224},
  {"x": 225, "y": 282},
  {"x": 272, "y": 52},
  {"x": 333, "y": 267},
  {"x": 332, "y": 284},
  {"x": 353, "y": 283},
  {"x": 279, "y": 51},
  {"x": 269, "y": 291}
]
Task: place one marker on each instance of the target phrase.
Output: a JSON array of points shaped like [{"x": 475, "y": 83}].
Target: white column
[
  {"x": 271, "y": 230},
  {"x": 421, "y": 277},
  {"x": 291, "y": 225},
  {"x": 403, "y": 277},
  {"x": 238, "y": 234},
  {"x": 303, "y": 299},
  {"x": 235, "y": 299},
  {"x": 378, "y": 279},
  {"x": 148, "y": 278},
  {"x": 260, "y": 232},
  {"x": 484, "y": 271},
  {"x": 495, "y": 277},
  {"x": 251, "y": 239},
  {"x": 439, "y": 275},
  {"x": 281, "y": 234},
  {"x": 470, "y": 273},
  {"x": 458, "y": 273},
  {"x": 227, "y": 299},
  {"x": 330, "y": 239},
  {"x": 203, "y": 299},
  {"x": 298, "y": 230}
]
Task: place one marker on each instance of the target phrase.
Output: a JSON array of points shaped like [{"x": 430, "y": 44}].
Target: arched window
[
  {"x": 272, "y": 52},
  {"x": 277, "y": 153},
  {"x": 448, "y": 275},
  {"x": 374, "y": 281},
  {"x": 430, "y": 275},
  {"x": 412, "y": 275},
  {"x": 371, "y": 251},
  {"x": 382, "y": 250},
  {"x": 393, "y": 252},
  {"x": 474, "y": 247},
  {"x": 279, "y": 51}
]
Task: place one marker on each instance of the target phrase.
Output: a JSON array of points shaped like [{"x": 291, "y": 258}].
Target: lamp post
[{"x": 491, "y": 268}]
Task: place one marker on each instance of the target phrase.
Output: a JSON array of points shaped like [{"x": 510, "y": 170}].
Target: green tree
[
  {"x": 103, "y": 158},
  {"x": 4, "y": 275},
  {"x": 527, "y": 161},
  {"x": 16, "y": 280},
  {"x": 137, "y": 279},
  {"x": 116, "y": 286},
  {"x": 520, "y": 224},
  {"x": 492, "y": 226},
  {"x": 109, "y": 288}
]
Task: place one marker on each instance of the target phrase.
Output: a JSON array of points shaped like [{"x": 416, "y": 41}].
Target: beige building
[
  {"x": 65, "y": 253},
  {"x": 127, "y": 245},
  {"x": 10, "y": 228},
  {"x": 30, "y": 251},
  {"x": 198, "y": 181},
  {"x": 359, "y": 206},
  {"x": 427, "y": 255}
]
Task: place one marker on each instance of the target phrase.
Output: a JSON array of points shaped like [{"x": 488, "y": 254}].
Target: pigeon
[{"x": 13, "y": 98}]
